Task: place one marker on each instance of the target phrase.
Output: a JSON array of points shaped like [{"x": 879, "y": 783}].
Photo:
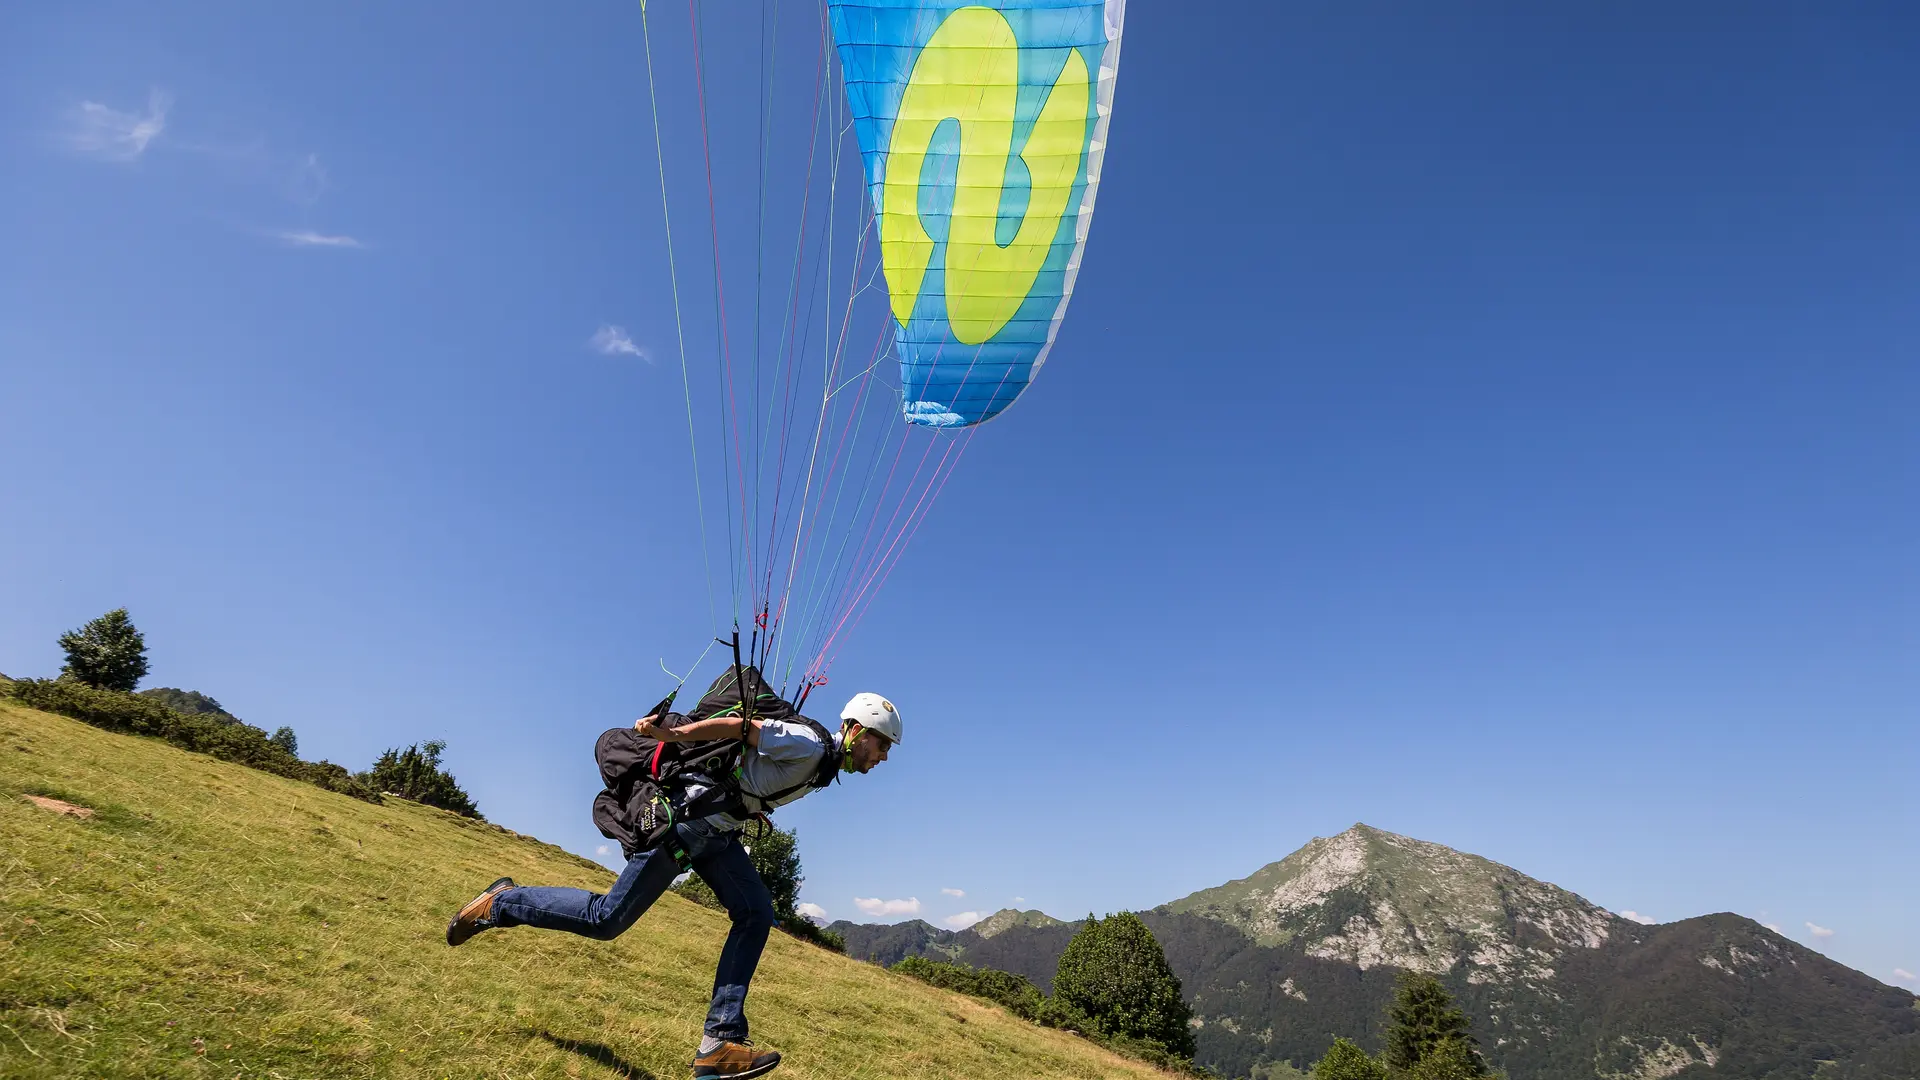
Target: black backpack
[{"x": 649, "y": 785}]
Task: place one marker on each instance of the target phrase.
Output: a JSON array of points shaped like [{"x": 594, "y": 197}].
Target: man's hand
[{"x": 650, "y": 727}]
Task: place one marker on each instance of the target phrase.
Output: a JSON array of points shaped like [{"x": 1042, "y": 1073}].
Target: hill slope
[{"x": 214, "y": 921}]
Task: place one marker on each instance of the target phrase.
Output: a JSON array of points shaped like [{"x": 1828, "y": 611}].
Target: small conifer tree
[
  {"x": 108, "y": 653},
  {"x": 1423, "y": 1022},
  {"x": 283, "y": 738}
]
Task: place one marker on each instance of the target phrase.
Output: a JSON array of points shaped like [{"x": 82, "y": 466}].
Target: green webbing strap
[{"x": 678, "y": 851}]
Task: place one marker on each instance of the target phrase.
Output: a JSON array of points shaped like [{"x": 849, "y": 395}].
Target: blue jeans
[{"x": 720, "y": 861}]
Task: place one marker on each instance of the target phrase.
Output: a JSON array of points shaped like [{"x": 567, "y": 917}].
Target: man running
[{"x": 780, "y": 759}]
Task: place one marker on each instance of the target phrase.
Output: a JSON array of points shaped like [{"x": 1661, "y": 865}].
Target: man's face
[{"x": 869, "y": 749}]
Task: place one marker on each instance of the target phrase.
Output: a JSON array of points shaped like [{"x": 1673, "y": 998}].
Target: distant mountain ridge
[
  {"x": 1276, "y": 963},
  {"x": 1008, "y": 918}
]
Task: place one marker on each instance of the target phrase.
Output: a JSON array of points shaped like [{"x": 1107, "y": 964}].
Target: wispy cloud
[
  {"x": 603, "y": 850},
  {"x": 954, "y": 892},
  {"x": 1820, "y": 932},
  {"x": 100, "y": 131},
  {"x": 1774, "y": 926},
  {"x": 1019, "y": 899},
  {"x": 963, "y": 920},
  {"x": 104, "y": 132},
  {"x": 307, "y": 238},
  {"x": 1643, "y": 920},
  {"x": 611, "y": 340},
  {"x": 812, "y": 911},
  {"x": 306, "y": 181},
  {"x": 873, "y": 905}
]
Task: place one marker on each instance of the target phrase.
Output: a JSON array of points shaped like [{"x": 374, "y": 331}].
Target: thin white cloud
[
  {"x": 963, "y": 920},
  {"x": 1904, "y": 975},
  {"x": 101, "y": 131},
  {"x": 1774, "y": 926},
  {"x": 307, "y": 238},
  {"x": 603, "y": 850},
  {"x": 812, "y": 911},
  {"x": 1643, "y": 920},
  {"x": 954, "y": 892},
  {"x": 1019, "y": 899},
  {"x": 611, "y": 340},
  {"x": 306, "y": 181},
  {"x": 1819, "y": 931},
  {"x": 873, "y": 905}
]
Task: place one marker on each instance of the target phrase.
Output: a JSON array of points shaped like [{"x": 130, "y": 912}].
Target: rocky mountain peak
[
  {"x": 1374, "y": 898},
  {"x": 1007, "y": 918}
]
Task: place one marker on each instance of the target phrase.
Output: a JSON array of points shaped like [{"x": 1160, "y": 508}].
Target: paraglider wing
[{"x": 982, "y": 129}]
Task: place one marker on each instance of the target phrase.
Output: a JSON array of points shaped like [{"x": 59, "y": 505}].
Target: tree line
[{"x": 99, "y": 684}]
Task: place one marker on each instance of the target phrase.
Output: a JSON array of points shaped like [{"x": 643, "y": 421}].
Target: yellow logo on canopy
[{"x": 969, "y": 71}]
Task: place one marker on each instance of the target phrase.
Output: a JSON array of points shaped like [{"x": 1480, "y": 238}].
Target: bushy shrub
[
  {"x": 415, "y": 773},
  {"x": 1346, "y": 1061},
  {"x": 132, "y": 714},
  {"x": 807, "y": 930},
  {"x": 1021, "y": 997},
  {"x": 1115, "y": 972}
]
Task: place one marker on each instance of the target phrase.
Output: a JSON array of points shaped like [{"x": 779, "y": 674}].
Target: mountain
[
  {"x": 1376, "y": 899},
  {"x": 1007, "y": 918},
  {"x": 1277, "y": 963},
  {"x": 887, "y": 944}
]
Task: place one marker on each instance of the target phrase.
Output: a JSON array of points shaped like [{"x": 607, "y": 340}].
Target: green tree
[
  {"x": 775, "y": 853},
  {"x": 1421, "y": 1021},
  {"x": 1115, "y": 972},
  {"x": 1346, "y": 1061},
  {"x": 1453, "y": 1059},
  {"x": 108, "y": 653},
  {"x": 283, "y": 738},
  {"x": 415, "y": 773}
]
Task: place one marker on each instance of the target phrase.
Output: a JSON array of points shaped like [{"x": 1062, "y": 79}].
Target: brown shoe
[
  {"x": 735, "y": 1061},
  {"x": 478, "y": 914}
]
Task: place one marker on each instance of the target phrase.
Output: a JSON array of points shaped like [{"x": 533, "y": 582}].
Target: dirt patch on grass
[{"x": 59, "y": 806}]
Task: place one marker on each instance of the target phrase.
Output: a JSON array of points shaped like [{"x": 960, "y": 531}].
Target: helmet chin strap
[{"x": 849, "y": 731}]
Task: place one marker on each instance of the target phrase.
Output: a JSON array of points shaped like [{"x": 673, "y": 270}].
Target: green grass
[{"x": 216, "y": 921}]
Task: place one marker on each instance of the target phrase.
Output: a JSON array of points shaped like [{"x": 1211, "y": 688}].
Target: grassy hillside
[{"x": 214, "y": 921}]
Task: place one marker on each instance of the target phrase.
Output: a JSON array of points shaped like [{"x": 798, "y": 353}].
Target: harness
[
  {"x": 652, "y": 785},
  {"x": 714, "y": 782}
]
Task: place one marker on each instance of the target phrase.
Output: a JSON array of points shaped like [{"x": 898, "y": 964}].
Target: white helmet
[{"x": 875, "y": 713}]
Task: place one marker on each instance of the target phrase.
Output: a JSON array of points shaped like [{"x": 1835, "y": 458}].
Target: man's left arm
[{"x": 713, "y": 727}]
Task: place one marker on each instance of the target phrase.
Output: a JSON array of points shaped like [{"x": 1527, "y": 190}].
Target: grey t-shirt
[{"x": 789, "y": 754}]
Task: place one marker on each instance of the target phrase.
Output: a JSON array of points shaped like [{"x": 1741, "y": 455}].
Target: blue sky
[{"x": 1492, "y": 426}]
